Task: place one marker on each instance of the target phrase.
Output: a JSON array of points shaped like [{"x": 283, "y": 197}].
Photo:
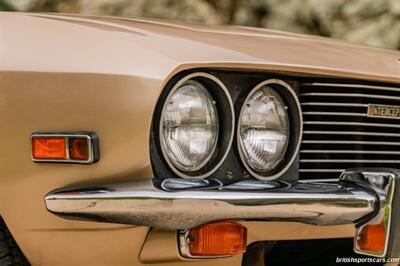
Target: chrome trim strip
[
  {"x": 350, "y": 124},
  {"x": 354, "y": 95},
  {"x": 320, "y": 170},
  {"x": 334, "y": 114},
  {"x": 92, "y": 141},
  {"x": 312, "y": 132},
  {"x": 139, "y": 202},
  {"x": 349, "y": 142},
  {"x": 347, "y": 161},
  {"x": 324, "y": 180},
  {"x": 334, "y": 104},
  {"x": 351, "y": 151},
  {"x": 361, "y": 86}
]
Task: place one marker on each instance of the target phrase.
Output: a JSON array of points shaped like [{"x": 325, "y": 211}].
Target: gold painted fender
[{"x": 102, "y": 74}]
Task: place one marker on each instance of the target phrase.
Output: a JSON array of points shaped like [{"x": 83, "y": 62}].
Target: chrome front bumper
[{"x": 360, "y": 197}]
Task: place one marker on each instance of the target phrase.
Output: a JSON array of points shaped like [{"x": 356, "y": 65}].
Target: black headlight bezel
[
  {"x": 226, "y": 122},
  {"x": 289, "y": 97},
  {"x": 238, "y": 83}
]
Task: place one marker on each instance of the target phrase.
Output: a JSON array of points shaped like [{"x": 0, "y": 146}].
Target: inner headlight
[
  {"x": 263, "y": 129},
  {"x": 189, "y": 127}
]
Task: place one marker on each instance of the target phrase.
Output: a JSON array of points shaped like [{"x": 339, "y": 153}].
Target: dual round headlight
[
  {"x": 269, "y": 129},
  {"x": 196, "y": 132},
  {"x": 263, "y": 129},
  {"x": 193, "y": 118},
  {"x": 189, "y": 126}
]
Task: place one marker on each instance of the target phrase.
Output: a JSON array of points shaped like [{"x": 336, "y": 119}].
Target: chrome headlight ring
[
  {"x": 217, "y": 101},
  {"x": 286, "y": 134}
]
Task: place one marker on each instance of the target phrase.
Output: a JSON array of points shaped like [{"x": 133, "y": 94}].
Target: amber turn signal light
[
  {"x": 78, "y": 149},
  {"x": 68, "y": 147},
  {"x": 217, "y": 239},
  {"x": 372, "y": 238},
  {"x": 49, "y": 148}
]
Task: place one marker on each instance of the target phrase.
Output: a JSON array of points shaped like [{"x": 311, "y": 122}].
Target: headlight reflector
[
  {"x": 263, "y": 130},
  {"x": 189, "y": 127}
]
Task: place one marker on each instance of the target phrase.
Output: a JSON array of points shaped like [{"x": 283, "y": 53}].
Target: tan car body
[{"x": 101, "y": 74}]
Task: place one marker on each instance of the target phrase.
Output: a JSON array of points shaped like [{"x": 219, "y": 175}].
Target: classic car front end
[{"x": 127, "y": 142}]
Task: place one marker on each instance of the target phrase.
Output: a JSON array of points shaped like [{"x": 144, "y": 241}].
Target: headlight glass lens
[
  {"x": 263, "y": 129},
  {"x": 189, "y": 127}
]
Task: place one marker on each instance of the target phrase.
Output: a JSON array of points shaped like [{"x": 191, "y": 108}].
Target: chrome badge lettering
[{"x": 384, "y": 111}]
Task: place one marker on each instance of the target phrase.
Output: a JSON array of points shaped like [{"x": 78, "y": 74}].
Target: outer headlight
[
  {"x": 263, "y": 129},
  {"x": 189, "y": 127}
]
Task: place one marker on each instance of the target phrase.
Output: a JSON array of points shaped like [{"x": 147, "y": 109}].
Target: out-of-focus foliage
[
  {"x": 373, "y": 22},
  {"x": 6, "y": 6}
]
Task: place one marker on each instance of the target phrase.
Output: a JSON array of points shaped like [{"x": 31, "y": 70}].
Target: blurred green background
[{"x": 372, "y": 22}]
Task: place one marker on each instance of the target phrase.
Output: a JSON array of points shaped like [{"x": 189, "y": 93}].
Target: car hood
[{"x": 159, "y": 48}]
